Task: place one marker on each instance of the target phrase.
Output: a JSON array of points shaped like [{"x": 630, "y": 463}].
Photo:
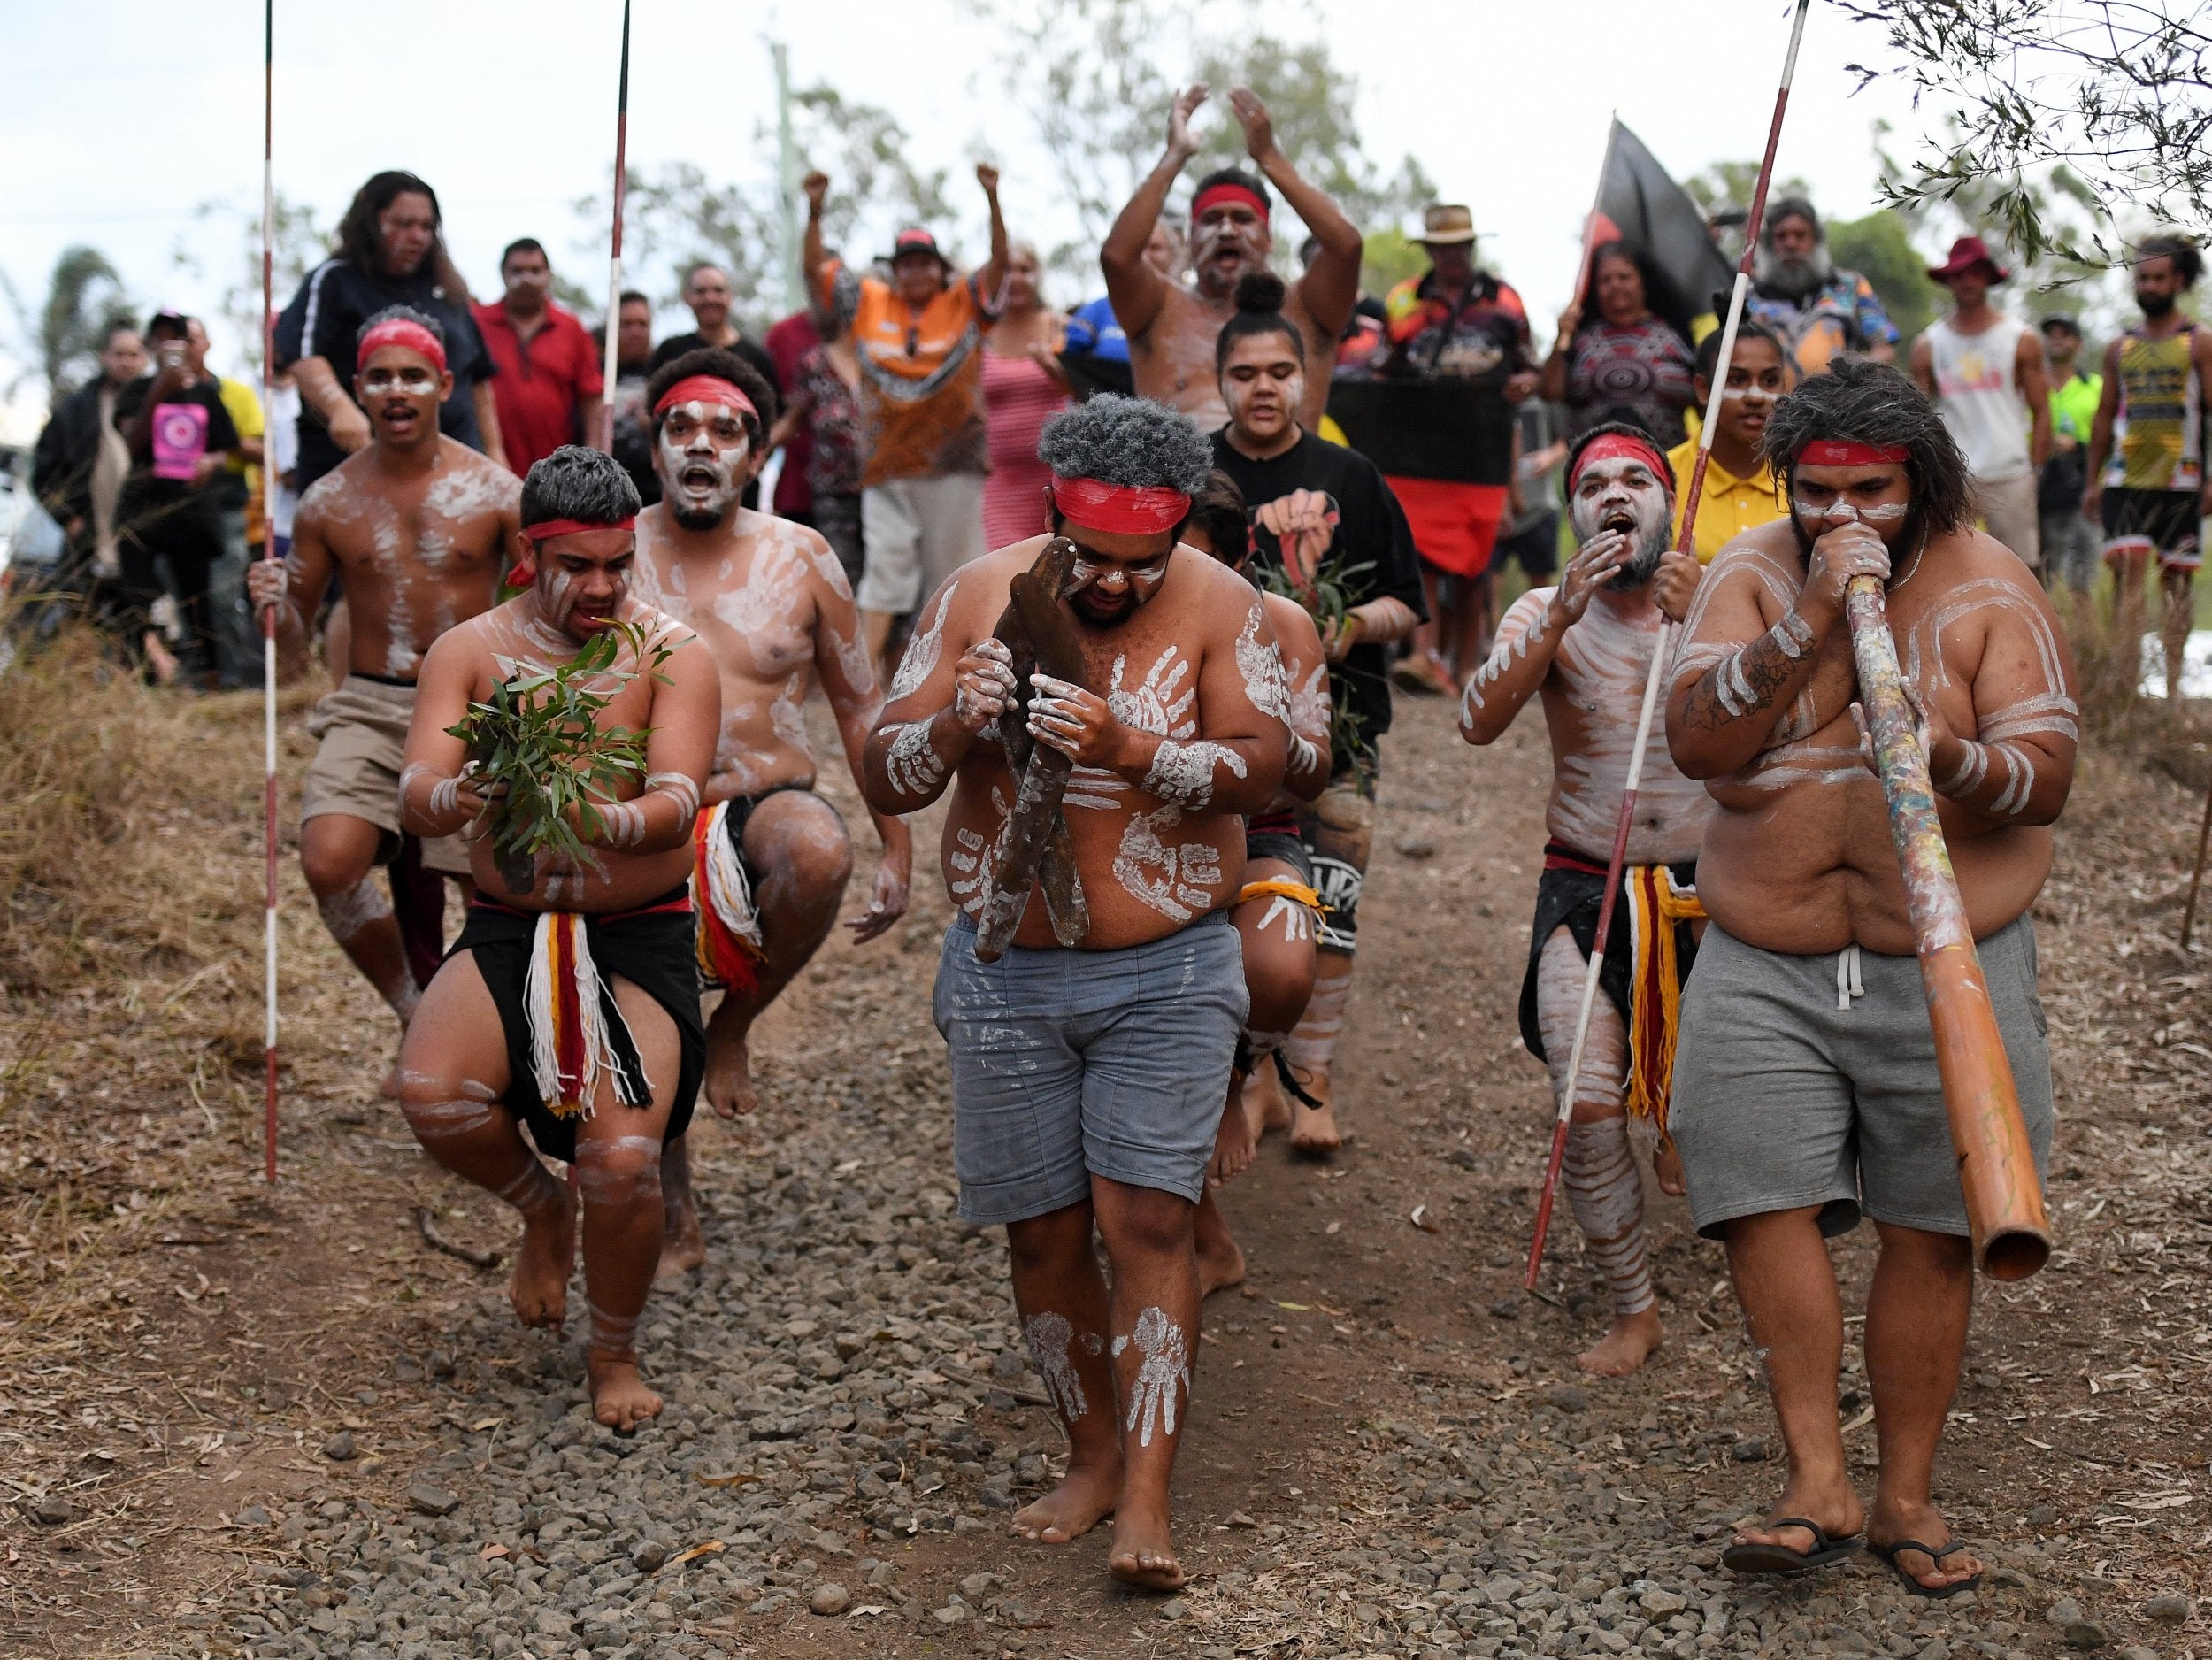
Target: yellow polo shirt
[{"x": 1729, "y": 505}]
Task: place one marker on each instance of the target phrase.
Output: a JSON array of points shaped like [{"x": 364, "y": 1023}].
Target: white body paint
[
  {"x": 1048, "y": 1336},
  {"x": 1166, "y": 1371}
]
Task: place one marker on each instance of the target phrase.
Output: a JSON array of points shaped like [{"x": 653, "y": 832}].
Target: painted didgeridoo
[
  {"x": 1033, "y": 840},
  {"x": 2004, "y": 1201}
]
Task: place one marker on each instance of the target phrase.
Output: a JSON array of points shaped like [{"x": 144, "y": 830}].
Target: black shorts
[
  {"x": 2161, "y": 522},
  {"x": 1537, "y": 549},
  {"x": 1286, "y": 845}
]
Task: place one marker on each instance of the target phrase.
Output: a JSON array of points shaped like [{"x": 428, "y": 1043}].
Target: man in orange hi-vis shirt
[{"x": 919, "y": 339}]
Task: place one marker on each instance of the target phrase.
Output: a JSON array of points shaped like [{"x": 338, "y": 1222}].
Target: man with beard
[
  {"x": 1586, "y": 646},
  {"x": 2150, "y": 425},
  {"x": 391, "y": 251},
  {"x": 769, "y": 601},
  {"x": 1172, "y": 329},
  {"x": 1818, "y": 309},
  {"x": 570, "y": 1001},
  {"x": 414, "y": 528},
  {"x": 1089, "y": 1080},
  {"x": 1321, "y": 513},
  {"x": 1740, "y": 493},
  {"x": 1806, "y": 1088}
]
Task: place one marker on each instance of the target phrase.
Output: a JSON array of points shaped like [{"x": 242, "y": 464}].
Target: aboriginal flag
[{"x": 1638, "y": 202}]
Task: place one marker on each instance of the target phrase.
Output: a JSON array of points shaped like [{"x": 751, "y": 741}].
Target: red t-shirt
[
  {"x": 788, "y": 342},
  {"x": 541, "y": 383}
]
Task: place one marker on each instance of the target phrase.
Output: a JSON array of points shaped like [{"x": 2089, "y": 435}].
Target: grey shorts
[
  {"x": 1070, "y": 1065},
  {"x": 1782, "y": 1100}
]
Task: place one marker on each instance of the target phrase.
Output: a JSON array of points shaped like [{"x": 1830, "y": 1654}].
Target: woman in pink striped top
[{"x": 1023, "y": 387}]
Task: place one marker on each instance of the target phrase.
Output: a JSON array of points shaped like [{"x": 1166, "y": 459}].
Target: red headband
[
  {"x": 1227, "y": 190},
  {"x": 546, "y": 529},
  {"x": 1849, "y": 452},
  {"x": 398, "y": 331},
  {"x": 705, "y": 389},
  {"x": 1630, "y": 447},
  {"x": 1123, "y": 510}
]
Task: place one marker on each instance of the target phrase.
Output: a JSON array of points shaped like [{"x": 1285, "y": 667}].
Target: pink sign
[{"x": 180, "y": 440}]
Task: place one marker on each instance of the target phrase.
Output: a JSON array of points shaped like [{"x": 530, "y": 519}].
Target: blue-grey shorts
[
  {"x": 1070, "y": 1065},
  {"x": 1782, "y": 1100}
]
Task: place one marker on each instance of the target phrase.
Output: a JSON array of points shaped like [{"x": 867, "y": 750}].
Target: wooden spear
[
  {"x": 268, "y": 616},
  {"x": 614, "y": 256}
]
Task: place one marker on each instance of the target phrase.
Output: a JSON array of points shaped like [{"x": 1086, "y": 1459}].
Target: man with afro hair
[{"x": 1088, "y": 1077}]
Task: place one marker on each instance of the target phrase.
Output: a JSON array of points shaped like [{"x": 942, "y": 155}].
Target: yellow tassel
[{"x": 1655, "y": 905}]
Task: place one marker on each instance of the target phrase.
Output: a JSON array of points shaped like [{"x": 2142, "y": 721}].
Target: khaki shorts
[
  {"x": 914, "y": 534},
  {"x": 362, "y": 726},
  {"x": 2008, "y": 507}
]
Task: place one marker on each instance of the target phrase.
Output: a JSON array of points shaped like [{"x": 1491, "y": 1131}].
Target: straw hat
[{"x": 1447, "y": 223}]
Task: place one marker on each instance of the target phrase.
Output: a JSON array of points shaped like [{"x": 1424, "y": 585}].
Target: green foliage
[
  {"x": 1328, "y": 600},
  {"x": 539, "y": 755},
  {"x": 82, "y": 294},
  {"x": 1389, "y": 258},
  {"x": 298, "y": 239},
  {"x": 1880, "y": 249}
]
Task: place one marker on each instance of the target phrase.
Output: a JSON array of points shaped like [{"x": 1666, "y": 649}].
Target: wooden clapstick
[
  {"x": 2004, "y": 1200},
  {"x": 1041, "y": 634}
]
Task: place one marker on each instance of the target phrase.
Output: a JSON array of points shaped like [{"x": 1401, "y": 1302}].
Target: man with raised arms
[
  {"x": 1586, "y": 647},
  {"x": 1172, "y": 329},
  {"x": 770, "y": 601},
  {"x": 415, "y": 528},
  {"x": 1088, "y": 1087},
  {"x": 570, "y": 1005},
  {"x": 1806, "y": 1089}
]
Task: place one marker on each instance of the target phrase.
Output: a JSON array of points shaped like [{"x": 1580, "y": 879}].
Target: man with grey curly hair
[{"x": 1091, "y": 1058}]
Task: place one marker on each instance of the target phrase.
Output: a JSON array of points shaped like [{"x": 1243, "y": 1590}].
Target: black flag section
[{"x": 1637, "y": 201}]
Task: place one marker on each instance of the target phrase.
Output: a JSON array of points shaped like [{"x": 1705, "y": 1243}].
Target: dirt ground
[{"x": 176, "y": 1361}]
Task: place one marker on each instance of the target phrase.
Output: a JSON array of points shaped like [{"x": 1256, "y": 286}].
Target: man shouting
[
  {"x": 770, "y": 601},
  {"x": 1586, "y": 647},
  {"x": 1172, "y": 329},
  {"x": 1087, "y": 1084},
  {"x": 415, "y": 528},
  {"x": 1806, "y": 1091}
]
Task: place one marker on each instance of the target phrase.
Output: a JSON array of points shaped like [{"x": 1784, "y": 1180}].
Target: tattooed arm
[
  {"x": 1738, "y": 670},
  {"x": 841, "y": 663},
  {"x": 1529, "y": 637},
  {"x": 946, "y": 692}
]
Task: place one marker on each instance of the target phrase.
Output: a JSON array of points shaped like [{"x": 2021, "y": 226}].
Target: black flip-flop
[
  {"x": 1935, "y": 1592},
  {"x": 1750, "y": 1558}
]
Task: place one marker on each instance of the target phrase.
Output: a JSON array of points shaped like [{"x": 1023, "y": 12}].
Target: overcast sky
[{"x": 507, "y": 109}]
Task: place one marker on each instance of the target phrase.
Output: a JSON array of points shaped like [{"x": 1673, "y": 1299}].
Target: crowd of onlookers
[{"x": 912, "y": 457}]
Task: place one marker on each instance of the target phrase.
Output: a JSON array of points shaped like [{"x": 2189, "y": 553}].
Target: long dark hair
[
  {"x": 1871, "y": 402},
  {"x": 361, "y": 245}
]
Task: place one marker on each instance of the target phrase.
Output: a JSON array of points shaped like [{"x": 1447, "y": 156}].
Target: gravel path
[{"x": 1389, "y": 1453}]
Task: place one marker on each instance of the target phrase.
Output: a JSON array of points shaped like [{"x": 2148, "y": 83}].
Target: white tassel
[
  {"x": 727, "y": 890},
  {"x": 538, "y": 994}
]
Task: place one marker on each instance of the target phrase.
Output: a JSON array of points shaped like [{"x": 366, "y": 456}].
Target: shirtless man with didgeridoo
[
  {"x": 1805, "y": 1084},
  {"x": 416, "y": 528},
  {"x": 1089, "y": 1080}
]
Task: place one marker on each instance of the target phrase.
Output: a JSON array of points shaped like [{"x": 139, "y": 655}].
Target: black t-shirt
[
  {"x": 164, "y": 514},
  {"x": 746, "y": 347},
  {"x": 324, "y": 319},
  {"x": 1372, "y": 530}
]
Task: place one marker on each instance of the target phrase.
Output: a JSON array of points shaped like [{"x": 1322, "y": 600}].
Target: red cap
[
  {"x": 398, "y": 331},
  {"x": 1966, "y": 253},
  {"x": 1121, "y": 509},
  {"x": 915, "y": 240}
]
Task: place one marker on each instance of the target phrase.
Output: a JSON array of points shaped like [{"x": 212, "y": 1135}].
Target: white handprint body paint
[
  {"x": 1297, "y": 920},
  {"x": 912, "y": 763},
  {"x": 971, "y": 886},
  {"x": 1165, "y": 1371},
  {"x": 1306, "y": 707},
  {"x": 923, "y": 650},
  {"x": 1166, "y": 875},
  {"x": 1183, "y": 773},
  {"x": 1048, "y": 1336},
  {"x": 1163, "y": 704},
  {"x": 1261, "y": 663}
]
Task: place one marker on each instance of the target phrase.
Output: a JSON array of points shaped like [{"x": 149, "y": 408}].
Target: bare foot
[
  {"x": 729, "y": 1079},
  {"x": 1264, "y": 1099},
  {"x": 1632, "y": 1341},
  {"x": 1666, "y": 1164},
  {"x": 1313, "y": 1130},
  {"x": 1084, "y": 1498},
  {"x": 538, "y": 1287},
  {"x": 1220, "y": 1259},
  {"x": 619, "y": 1398},
  {"x": 1235, "y": 1143},
  {"x": 1922, "y": 1525},
  {"x": 683, "y": 1247},
  {"x": 1144, "y": 1552}
]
